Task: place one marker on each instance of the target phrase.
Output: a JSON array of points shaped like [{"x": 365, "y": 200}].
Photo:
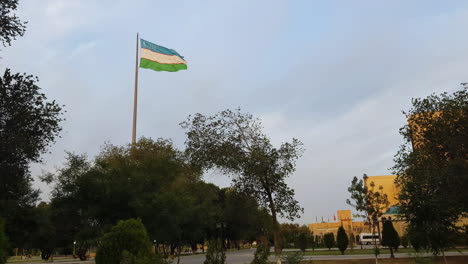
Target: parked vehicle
[{"x": 368, "y": 238}]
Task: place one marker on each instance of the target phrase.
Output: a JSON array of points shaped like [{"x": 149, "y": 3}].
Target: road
[{"x": 246, "y": 255}]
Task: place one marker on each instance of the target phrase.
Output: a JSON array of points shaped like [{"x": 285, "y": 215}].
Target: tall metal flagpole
[{"x": 135, "y": 95}]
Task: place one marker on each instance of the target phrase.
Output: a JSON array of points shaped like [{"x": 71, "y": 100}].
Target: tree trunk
[
  {"x": 276, "y": 231},
  {"x": 378, "y": 232},
  {"x": 443, "y": 255},
  {"x": 391, "y": 252}
]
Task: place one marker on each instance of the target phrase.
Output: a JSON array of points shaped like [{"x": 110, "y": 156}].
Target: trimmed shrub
[
  {"x": 127, "y": 242},
  {"x": 329, "y": 240},
  {"x": 342, "y": 240}
]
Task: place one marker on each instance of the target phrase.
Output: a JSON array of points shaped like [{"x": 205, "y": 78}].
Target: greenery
[
  {"x": 10, "y": 25},
  {"x": 176, "y": 207},
  {"x": 3, "y": 242},
  {"x": 235, "y": 143},
  {"x": 342, "y": 239},
  {"x": 294, "y": 258},
  {"x": 390, "y": 237},
  {"x": 404, "y": 241},
  {"x": 296, "y": 236},
  {"x": 29, "y": 123},
  {"x": 261, "y": 253},
  {"x": 127, "y": 239},
  {"x": 370, "y": 202},
  {"x": 432, "y": 169},
  {"x": 329, "y": 240},
  {"x": 216, "y": 253}
]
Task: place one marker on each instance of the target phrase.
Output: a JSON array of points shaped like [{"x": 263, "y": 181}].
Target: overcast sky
[{"x": 335, "y": 75}]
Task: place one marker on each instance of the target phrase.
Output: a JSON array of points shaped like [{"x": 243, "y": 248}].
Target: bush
[
  {"x": 294, "y": 258},
  {"x": 3, "y": 242},
  {"x": 342, "y": 240},
  {"x": 261, "y": 254},
  {"x": 215, "y": 254},
  {"x": 127, "y": 241}
]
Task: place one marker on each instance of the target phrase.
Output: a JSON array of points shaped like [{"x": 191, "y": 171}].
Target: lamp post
[{"x": 74, "y": 244}]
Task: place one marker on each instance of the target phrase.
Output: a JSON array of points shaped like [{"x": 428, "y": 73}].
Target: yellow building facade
[{"x": 354, "y": 227}]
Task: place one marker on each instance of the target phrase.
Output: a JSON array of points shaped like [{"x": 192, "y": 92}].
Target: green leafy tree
[
  {"x": 129, "y": 236},
  {"x": 302, "y": 241},
  {"x": 329, "y": 240},
  {"x": 3, "y": 242},
  {"x": 390, "y": 237},
  {"x": 235, "y": 143},
  {"x": 10, "y": 25},
  {"x": 166, "y": 193},
  {"x": 28, "y": 125},
  {"x": 235, "y": 208},
  {"x": 43, "y": 237},
  {"x": 433, "y": 169},
  {"x": 371, "y": 202},
  {"x": 342, "y": 240}
]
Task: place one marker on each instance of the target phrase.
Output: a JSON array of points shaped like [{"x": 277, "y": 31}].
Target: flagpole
[{"x": 135, "y": 95}]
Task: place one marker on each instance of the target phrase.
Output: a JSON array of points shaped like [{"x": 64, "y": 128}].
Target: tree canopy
[
  {"x": 10, "y": 25},
  {"x": 432, "y": 165},
  {"x": 29, "y": 123},
  {"x": 234, "y": 142}
]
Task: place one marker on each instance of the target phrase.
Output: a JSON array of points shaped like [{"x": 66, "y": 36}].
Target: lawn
[{"x": 356, "y": 251}]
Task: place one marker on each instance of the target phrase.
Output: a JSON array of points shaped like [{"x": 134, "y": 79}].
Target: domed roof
[{"x": 392, "y": 210}]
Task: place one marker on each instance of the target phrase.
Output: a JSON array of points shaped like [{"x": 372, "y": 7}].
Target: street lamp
[{"x": 74, "y": 244}]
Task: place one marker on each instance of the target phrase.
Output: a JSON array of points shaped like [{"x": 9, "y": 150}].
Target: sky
[{"x": 334, "y": 74}]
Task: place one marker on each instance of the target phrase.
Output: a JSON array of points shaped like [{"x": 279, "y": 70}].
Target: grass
[{"x": 355, "y": 251}]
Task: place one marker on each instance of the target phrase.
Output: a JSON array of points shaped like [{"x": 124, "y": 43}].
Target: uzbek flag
[{"x": 159, "y": 58}]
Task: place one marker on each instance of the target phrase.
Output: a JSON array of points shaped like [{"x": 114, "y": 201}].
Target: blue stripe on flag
[{"x": 156, "y": 48}]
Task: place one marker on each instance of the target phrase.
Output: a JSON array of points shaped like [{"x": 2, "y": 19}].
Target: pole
[{"x": 135, "y": 95}]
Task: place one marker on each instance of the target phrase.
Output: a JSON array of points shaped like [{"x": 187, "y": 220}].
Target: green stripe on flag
[{"x": 148, "y": 64}]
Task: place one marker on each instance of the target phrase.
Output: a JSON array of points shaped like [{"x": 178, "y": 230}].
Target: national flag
[
  {"x": 159, "y": 58},
  {"x": 334, "y": 218}
]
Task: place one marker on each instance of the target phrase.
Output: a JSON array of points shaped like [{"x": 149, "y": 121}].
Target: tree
[
  {"x": 235, "y": 143},
  {"x": 28, "y": 125},
  {"x": 43, "y": 237},
  {"x": 342, "y": 240},
  {"x": 129, "y": 236},
  {"x": 432, "y": 169},
  {"x": 215, "y": 254},
  {"x": 372, "y": 203},
  {"x": 166, "y": 193},
  {"x": 10, "y": 25},
  {"x": 3, "y": 242},
  {"x": 235, "y": 207},
  {"x": 329, "y": 240},
  {"x": 390, "y": 237},
  {"x": 404, "y": 241},
  {"x": 304, "y": 238}
]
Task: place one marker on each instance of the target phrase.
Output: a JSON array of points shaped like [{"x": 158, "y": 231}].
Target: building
[{"x": 355, "y": 226}]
